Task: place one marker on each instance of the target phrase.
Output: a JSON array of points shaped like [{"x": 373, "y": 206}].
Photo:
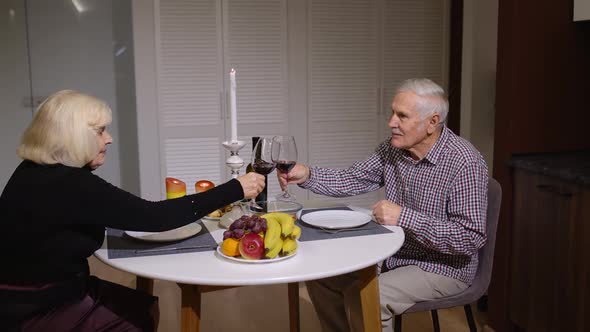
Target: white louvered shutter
[
  {"x": 190, "y": 91},
  {"x": 343, "y": 86},
  {"x": 255, "y": 44},
  {"x": 414, "y": 45}
]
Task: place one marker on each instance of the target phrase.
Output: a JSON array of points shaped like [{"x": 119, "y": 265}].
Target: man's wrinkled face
[{"x": 408, "y": 127}]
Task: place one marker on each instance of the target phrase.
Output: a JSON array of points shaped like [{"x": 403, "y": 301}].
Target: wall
[
  {"x": 479, "y": 75},
  {"x": 541, "y": 103},
  {"x": 125, "y": 95},
  {"x": 14, "y": 84}
]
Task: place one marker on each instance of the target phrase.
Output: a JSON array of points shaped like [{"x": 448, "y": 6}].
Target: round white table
[{"x": 201, "y": 272}]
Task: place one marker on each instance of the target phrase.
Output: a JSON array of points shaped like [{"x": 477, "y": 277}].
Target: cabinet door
[
  {"x": 580, "y": 267},
  {"x": 543, "y": 254}
]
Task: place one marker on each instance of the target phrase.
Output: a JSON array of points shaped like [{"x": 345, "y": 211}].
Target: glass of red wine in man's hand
[
  {"x": 284, "y": 154},
  {"x": 262, "y": 162}
]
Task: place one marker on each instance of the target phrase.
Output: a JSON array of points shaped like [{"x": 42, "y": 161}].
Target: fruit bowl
[
  {"x": 253, "y": 261},
  {"x": 269, "y": 236}
]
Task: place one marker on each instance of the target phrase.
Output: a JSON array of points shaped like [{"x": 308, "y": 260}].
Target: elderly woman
[{"x": 54, "y": 211}]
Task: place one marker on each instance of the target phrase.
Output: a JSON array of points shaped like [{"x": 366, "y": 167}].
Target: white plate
[
  {"x": 254, "y": 261},
  {"x": 176, "y": 234},
  {"x": 335, "y": 219}
]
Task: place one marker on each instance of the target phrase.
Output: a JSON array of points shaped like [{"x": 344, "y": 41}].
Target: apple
[{"x": 252, "y": 246}]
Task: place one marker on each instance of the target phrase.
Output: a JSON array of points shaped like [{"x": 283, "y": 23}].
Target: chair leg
[
  {"x": 470, "y": 320},
  {"x": 397, "y": 327},
  {"x": 435, "y": 324}
]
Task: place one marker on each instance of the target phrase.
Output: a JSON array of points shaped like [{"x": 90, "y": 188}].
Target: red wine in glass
[
  {"x": 262, "y": 164},
  {"x": 285, "y": 166},
  {"x": 284, "y": 154},
  {"x": 263, "y": 167}
]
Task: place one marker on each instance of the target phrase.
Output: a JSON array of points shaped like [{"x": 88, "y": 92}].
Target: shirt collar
[{"x": 434, "y": 154}]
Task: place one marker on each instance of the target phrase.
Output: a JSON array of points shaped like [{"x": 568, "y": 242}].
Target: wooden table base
[
  {"x": 369, "y": 284},
  {"x": 191, "y": 301}
]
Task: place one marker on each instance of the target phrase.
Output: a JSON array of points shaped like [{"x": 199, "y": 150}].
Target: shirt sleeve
[
  {"x": 362, "y": 177},
  {"x": 463, "y": 233},
  {"x": 84, "y": 198}
]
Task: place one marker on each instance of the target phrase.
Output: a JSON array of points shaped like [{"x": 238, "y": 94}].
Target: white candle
[{"x": 232, "y": 106}]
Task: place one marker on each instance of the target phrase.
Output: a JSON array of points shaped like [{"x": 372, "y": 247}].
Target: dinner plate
[
  {"x": 176, "y": 234},
  {"x": 336, "y": 219},
  {"x": 254, "y": 261}
]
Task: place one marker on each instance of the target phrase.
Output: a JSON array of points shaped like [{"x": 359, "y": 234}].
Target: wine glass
[
  {"x": 285, "y": 156},
  {"x": 262, "y": 162}
]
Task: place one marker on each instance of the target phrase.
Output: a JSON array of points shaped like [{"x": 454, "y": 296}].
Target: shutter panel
[
  {"x": 343, "y": 100},
  {"x": 189, "y": 85},
  {"x": 255, "y": 45},
  {"x": 182, "y": 154}
]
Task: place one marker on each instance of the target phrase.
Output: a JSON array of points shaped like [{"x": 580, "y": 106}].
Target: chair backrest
[
  {"x": 486, "y": 254},
  {"x": 486, "y": 258}
]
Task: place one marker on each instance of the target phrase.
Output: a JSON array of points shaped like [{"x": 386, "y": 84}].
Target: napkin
[
  {"x": 312, "y": 233},
  {"x": 120, "y": 245}
]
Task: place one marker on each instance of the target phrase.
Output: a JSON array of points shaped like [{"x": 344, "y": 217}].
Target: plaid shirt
[{"x": 443, "y": 198}]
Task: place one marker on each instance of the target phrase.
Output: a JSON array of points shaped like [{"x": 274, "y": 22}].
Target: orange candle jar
[
  {"x": 175, "y": 188},
  {"x": 203, "y": 185}
]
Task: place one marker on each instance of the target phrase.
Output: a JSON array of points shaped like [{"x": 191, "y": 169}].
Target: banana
[
  {"x": 286, "y": 220},
  {"x": 274, "y": 251},
  {"x": 296, "y": 233},
  {"x": 289, "y": 247},
  {"x": 287, "y": 225},
  {"x": 273, "y": 233}
]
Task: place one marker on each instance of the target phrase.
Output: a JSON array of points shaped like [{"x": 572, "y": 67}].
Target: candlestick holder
[{"x": 234, "y": 161}]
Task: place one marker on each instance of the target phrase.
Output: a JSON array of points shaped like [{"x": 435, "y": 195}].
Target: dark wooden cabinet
[{"x": 550, "y": 273}]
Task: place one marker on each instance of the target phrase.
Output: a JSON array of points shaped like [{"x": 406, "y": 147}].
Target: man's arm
[
  {"x": 463, "y": 233},
  {"x": 362, "y": 177}
]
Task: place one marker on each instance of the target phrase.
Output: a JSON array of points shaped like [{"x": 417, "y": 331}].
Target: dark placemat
[
  {"x": 312, "y": 233},
  {"x": 120, "y": 245}
]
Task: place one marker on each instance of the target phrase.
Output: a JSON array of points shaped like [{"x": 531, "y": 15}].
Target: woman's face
[{"x": 104, "y": 139}]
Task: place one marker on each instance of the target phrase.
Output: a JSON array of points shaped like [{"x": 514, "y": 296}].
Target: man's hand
[
  {"x": 386, "y": 212},
  {"x": 252, "y": 184},
  {"x": 298, "y": 174}
]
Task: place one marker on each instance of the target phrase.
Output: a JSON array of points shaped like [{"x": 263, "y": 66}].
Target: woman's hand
[
  {"x": 386, "y": 212},
  {"x": 252, "y": 184},
  {"x": 298, "y": 174}
]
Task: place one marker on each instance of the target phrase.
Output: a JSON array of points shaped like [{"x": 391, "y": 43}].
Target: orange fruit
[{"x": 231, "y": 247}]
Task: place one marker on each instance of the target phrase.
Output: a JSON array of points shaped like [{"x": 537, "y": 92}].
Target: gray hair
[{"x": 432, "y": 97}]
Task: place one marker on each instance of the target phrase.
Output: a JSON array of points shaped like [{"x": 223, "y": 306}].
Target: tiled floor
[{"x": 263, "y": 308}]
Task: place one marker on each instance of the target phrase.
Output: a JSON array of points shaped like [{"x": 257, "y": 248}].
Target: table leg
[
  {"x": 369, "y": 284},
  {"x": 294, "y": 307},
  {"x": 144, "y": 284},
  {"x": 191, "y": 308}
]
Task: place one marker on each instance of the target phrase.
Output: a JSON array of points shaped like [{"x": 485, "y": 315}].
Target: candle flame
[{"x": 232, "y": 71}]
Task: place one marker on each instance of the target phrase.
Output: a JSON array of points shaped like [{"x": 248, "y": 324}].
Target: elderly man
[{"x": 436, "y": 188}]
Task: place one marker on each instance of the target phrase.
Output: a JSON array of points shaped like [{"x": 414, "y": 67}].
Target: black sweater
[{"x": 53, "y": 217}]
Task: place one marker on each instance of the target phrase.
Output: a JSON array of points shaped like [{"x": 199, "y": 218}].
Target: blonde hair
[{"x": 64, "y": 130}]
